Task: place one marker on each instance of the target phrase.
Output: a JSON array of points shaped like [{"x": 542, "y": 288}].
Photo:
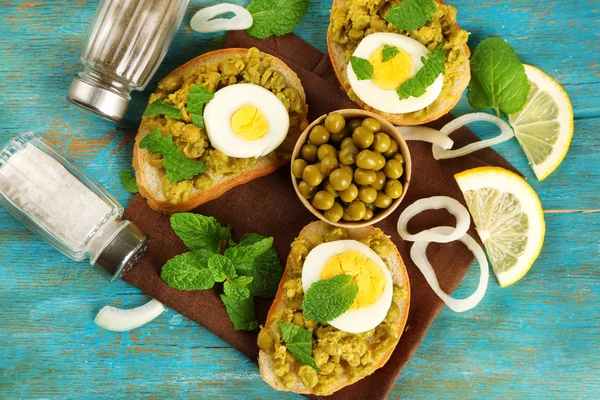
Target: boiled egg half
[
  {"x": 246, "y": 120},
  {"x": 366, "y": 268},
  {"x": 380, "y": 92}
]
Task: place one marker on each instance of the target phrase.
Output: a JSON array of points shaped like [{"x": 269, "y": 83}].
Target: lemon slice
[
  {"x": 544, "y": 127},
  {"x": 509, "y": 218}
]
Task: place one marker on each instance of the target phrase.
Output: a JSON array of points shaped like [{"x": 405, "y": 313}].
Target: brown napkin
[{"x": 269, "y": 206}]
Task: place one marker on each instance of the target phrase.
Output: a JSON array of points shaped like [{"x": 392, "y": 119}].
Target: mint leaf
[
  {"x": 160, "y": 108},
  {"x": 199, "y": 231},
  {"x": 197, "y": 98},
  {"x": 411, "y": 14},
  {"x": 498, "y": 78},
  {"x": 329, "y": 298},
  {"x": 128, "y": 181},
  {"x": 266, "y": 270},
  {"x": 221, "y": 267},
  {"x": 362, "y": 68},
  {"x": 433, "y": 66},
  {"x": 176, "y": 164},
  {"x": 249, "y": 253},
  {"x": 237, "y": 288},
  {"x": 241, "y": 313},
  {"x": 189, "y": 271},
  {"x": 299, "y": 342},
  {"x": 198, "y": 120},
  {"x": 275, "y": 17},
  {"x": 389, "y": 52},
  {"x": 179, "y": 167}
]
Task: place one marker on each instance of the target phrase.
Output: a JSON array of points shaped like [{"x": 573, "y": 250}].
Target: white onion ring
[
  {"x": 418, "y": 253},
  {"x": 118, "y": 320},
  {"x": 506, "y": 133},
  {"x": 202, "y": 22},
  {"x": 425, "y": 134},
  {"x": 463, "y": 220}
]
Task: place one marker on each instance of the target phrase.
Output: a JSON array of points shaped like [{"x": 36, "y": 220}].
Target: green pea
[
  {"x": 326, "y": 150},
  {"x": 318, "y": 135},
  {"x": 312, "y": 175},
  {"x": 371, "y": 124},
  {"x": 323, "y": 200},
  {"x": 349, "y": 194},
  {"x": 362, "y": 137},
  {"x": 309, "y": 152},
  {"x": 382, "y": 142},
  {"x": 298, "y": 167},
  {"x": 393, "y": 169},
  {"x": 335, "y": 213},
  {"x": 334, "y": 122}
]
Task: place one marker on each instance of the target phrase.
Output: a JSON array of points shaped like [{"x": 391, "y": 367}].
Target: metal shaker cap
[
  {"x": 105, "y": 103},
  {"x": 122, "y": 252}
]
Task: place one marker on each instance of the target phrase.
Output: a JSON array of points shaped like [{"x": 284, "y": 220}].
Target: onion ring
[
  {"x": 203, "y": 20},
  {"x": 418, "y": 253},
  {"x": 118, "y": 320},
  {"x": 439, "y": 153},
  {"x": 463, "y": 220},
  {"x": 425, "y": 134}
]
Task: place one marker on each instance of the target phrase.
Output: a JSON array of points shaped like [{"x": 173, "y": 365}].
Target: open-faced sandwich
[
  {"x": 406, "y": 60},
  {"x": 220, "y": 120},
  {"x": 339, "y": 312}
]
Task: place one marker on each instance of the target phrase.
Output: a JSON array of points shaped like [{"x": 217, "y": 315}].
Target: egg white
[
  {"x": 218, "y": 113},
  {"x": 388, "y": 100},
  {"x": 352, "y": 321}
]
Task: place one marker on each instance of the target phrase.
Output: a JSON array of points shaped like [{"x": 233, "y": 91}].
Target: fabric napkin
[{"x": 269, "y": 206}]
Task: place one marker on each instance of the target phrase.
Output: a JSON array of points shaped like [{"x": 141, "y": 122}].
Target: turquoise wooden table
[{"x": 538, "y": 338}]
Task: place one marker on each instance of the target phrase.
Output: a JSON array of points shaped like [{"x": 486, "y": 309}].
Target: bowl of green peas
[{"x": 351, "y": 168}]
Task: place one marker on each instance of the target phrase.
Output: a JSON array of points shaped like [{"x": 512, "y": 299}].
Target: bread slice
[
  {"x": 399, "y": 277},
  {"x": 340, "y": 65},
  {"x": 149, "y": 178}
]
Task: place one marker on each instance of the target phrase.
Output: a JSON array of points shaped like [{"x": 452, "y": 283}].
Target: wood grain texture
[{"x": 538, "y": 338}]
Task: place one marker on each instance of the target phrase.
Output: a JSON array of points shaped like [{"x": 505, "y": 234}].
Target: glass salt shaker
[
  {"x": 126, "y": 43},
  {"x": 52, "y": 197}
]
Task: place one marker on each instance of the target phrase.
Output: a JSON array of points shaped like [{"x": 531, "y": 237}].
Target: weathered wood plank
[{"x": 536, "y": 339}]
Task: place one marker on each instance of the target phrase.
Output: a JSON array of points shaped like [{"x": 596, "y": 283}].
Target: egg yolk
[
  {"x": 249, "y": 123},
  {"x": 391, "y": 74},
  {"x": 365, "y": 272}
]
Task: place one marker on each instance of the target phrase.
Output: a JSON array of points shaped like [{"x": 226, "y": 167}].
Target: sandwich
[
  {"x": 409, "y": 70},
  {"x": 220, "y": 120},
  {"x": 302, "y": 355}
]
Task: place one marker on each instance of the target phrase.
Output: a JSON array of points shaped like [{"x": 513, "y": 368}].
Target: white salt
[{"x": 55, "y": 199}]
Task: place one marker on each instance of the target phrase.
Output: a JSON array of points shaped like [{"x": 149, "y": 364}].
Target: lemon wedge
[
  {"x": 544, "y": 127},
  {"x": 509, "y": 219}
]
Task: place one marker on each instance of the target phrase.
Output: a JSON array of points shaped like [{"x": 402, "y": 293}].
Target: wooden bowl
[{"x": 387, "y": 128}]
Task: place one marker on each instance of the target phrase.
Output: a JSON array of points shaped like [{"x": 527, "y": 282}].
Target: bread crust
[
  {"x": 147, "y": 176},
  {"x": 336, "y": 55},
  {"x": 399, "y": 277}
]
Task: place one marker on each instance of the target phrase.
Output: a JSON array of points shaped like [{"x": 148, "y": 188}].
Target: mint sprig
[
  {"x": 275, "y": 17},
  {"x": 433, "y": 66},
  {"x": 161, "y": 108},
  {"x": 411, "y": 14},
  {"x": 329, "y": 298},
  {"x": 250, "y": 268},
  {"x": 176, "y": 164},
  {"x": 362, "y": 68},
  {"x": 298, "y": 342},
  {"x": 498, "y": 78}
]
